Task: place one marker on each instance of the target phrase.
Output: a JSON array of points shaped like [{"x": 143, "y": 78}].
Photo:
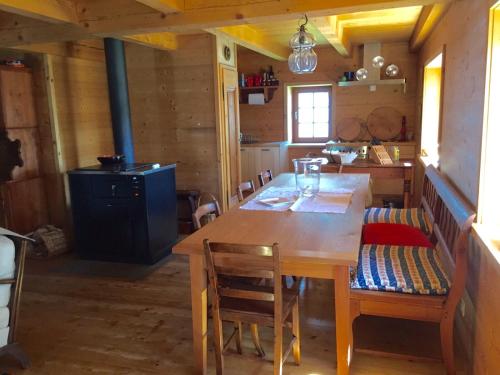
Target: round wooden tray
[
  {"x": 348, "y": 129},
  {"x": 384, "y": 123}
]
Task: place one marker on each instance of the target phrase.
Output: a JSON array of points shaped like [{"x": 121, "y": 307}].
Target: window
[
  {"x": 489, "y": 199},
  {"x": 431, "y": 109},
  {"x": 311, "y": 114}
]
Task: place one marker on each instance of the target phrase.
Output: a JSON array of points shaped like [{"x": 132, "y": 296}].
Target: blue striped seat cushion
[
  {"x": 403, "y": 269},
  {"x": 414, "y": 217}
]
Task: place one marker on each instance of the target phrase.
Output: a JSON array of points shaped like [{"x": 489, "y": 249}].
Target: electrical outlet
[{"x": 462, "y": 308}]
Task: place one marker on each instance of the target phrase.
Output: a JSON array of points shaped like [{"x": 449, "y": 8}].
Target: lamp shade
[{"x": 302, "y": 61}]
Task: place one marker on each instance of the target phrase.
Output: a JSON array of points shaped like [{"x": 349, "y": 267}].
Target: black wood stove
[{"x": 125, "y": 212}]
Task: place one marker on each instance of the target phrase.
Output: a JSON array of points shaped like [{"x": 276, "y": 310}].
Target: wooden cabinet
[
  {"x": 23, "y": 204},
  {"x": 255, "y": 159},
  {"x": 17, "y": 105},
  {"x": 248, "y": 165},
  {"x": 269, "y": 158}
]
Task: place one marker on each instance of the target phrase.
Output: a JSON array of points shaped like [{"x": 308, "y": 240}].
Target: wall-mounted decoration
[
  {"x": 10, "y": 156},
  {"x": 226, "y": 50},
  {"x": 227, "y": 53}
]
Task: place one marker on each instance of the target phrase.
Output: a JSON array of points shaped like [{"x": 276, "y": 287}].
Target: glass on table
[{"x": 307, "y": 175}]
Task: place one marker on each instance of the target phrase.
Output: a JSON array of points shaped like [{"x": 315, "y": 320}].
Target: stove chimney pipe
[{"x": 118, "y": 98}]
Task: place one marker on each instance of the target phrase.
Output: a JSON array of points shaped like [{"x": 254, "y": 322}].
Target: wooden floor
[{"x": 82, "y": 317}]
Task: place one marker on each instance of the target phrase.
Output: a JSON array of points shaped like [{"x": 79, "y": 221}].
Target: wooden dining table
[{"x": 318, "y": 245}]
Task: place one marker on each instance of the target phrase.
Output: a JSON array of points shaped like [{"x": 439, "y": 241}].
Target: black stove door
[{"x": 113, "y": 223}]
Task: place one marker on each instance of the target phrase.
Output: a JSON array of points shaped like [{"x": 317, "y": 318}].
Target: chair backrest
[
  {"x": 452, "y": 217},
  {"x": 264, "y": 177},
  {"x": 247, "y": 262},
  {"x": 207, "y": 211},
  {"x": 244, "y": 189}
]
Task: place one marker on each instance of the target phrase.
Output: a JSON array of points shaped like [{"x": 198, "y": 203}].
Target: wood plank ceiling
[{"x": 262, "y": 25}]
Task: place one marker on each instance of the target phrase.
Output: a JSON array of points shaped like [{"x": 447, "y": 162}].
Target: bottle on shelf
[{"x": 271, "y": 76}]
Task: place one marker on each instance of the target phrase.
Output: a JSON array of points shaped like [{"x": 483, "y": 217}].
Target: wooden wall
[
  {"x": 464, "y": 31},
  {"x": 172, "y": 105},
  {"x": 173, "y": 109},
  {"x": 81, "y": 94},
  {"x": 75, "y": 124},
  {"x": 267, "y": 122}
]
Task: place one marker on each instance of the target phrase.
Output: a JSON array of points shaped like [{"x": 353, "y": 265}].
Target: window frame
[
  {"x": 489, "y": 154},
  {"x": 295, "y": 90},
  {"x": 423, "y": 151}
]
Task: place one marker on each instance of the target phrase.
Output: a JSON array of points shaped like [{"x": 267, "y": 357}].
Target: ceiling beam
[
  {"x": 164, "y": 6},
  {"x": 164, "y": 41},
  {"x": 428, "y": 19},
  {"x": 54, "y": 11},
  {"x": 333, "y": 31},
  {"x": 256, "y": 40},
  {"x": 85, "y": 49},
  {"x": 41, "y": 34},
  {"x": 210, "y": 14}
]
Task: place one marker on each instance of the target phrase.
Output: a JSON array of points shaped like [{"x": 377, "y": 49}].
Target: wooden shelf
[
  {"x": 268, "y": 92},
  {"x": 401, "y": 81}
]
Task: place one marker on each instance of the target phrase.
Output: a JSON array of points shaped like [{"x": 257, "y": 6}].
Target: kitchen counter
[
  {"x": 263, "y": 144},
  {"x": 352, "y": 144}
]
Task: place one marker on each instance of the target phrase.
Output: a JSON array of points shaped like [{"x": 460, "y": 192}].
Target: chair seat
[
  {"x": 414, "y": 217},
  {"x": 252, "y": 311},
  {"x": 403, "y": 269}
]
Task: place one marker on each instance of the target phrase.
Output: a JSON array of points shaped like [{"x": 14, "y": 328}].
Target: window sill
[
  {"x": 483, "y": 235},
  {"x": 428, "y": 160}
]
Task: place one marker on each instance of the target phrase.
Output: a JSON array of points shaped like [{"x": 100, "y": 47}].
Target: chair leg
[
  {"x": 296, "y": 332},
  {"x": 218, "y": 342},
  {"x": 239, "y": 336},
  {"x": 278, "y": 349},
  {"x": 254, "y": 329},
  {"x": 446, "y": 330}
]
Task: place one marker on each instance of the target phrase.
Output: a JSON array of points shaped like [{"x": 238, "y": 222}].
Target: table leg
[
  {"x": 342, "y": 319},
  {"x": 199, "y": 312}
]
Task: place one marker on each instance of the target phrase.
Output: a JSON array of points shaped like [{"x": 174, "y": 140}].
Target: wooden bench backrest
[{"x": 452, "y": 217}]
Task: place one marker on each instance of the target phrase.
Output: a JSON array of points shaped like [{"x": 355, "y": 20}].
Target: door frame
[{"x": 223, "y": 155}]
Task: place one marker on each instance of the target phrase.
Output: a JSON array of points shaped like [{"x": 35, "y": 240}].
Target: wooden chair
[
  {"x": 451, "y": 218},
  {"x": 248, "y": 303},
  {"x": 265, "y": 177},
  {"x": 245, "y": 189},
  {"x": 12, "y": 347},
  {"x": 210, "y": 210},
  {"x": 207, "y": 211}
]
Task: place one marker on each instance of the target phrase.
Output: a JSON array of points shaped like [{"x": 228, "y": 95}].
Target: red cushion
[{"x": 394, "y": 234}]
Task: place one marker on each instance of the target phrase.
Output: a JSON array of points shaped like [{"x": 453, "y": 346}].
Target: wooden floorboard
[{"x": 83, "y": 317}]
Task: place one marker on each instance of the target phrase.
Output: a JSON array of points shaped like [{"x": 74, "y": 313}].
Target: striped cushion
[
  {"x": 414, "y": 217},
  {"x": 404, "y": 269}
]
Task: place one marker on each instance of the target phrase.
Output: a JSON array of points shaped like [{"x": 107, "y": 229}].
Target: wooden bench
[{"x": 451, "y": 218}]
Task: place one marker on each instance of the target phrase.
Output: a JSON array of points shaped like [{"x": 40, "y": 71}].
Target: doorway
[{"x": 229, "y": 136}]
